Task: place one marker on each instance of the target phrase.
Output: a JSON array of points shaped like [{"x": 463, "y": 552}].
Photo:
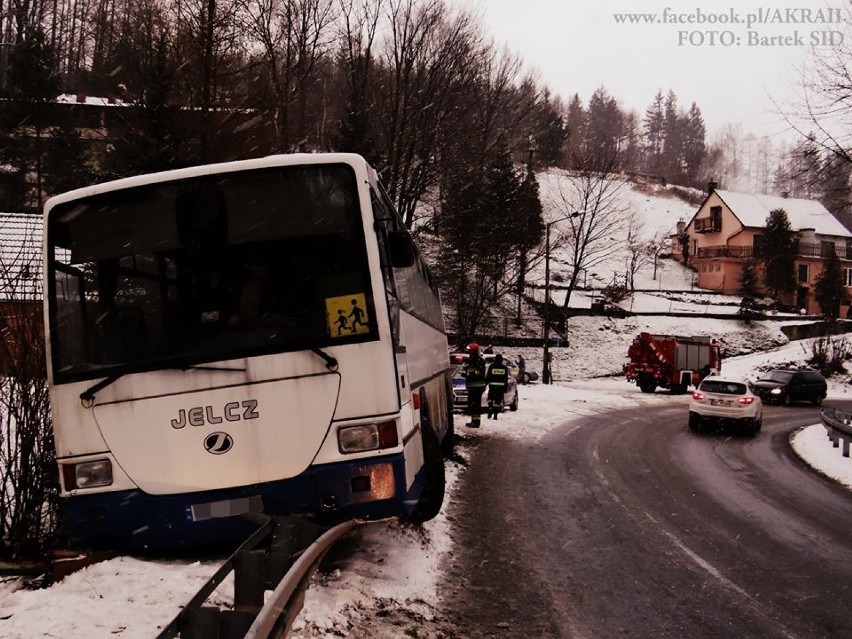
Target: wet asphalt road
[{"x": 629, "y": 525}]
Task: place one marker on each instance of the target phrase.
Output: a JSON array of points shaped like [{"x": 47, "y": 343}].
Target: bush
[{"x": 828, "y": 354}]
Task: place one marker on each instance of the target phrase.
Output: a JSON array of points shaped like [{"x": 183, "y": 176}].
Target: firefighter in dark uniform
[
  {"x": 497, "y": 379},
  {"x": 474, "y": 375}
]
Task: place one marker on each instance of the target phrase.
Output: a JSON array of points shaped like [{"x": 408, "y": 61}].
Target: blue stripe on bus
[{"x": 136, "y": 521}]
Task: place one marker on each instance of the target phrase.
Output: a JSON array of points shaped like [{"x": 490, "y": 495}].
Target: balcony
[
  {"x": 739, "y": 252},
  {"x": 708, "y": 225},
  {"x": 801, "y": 249}
]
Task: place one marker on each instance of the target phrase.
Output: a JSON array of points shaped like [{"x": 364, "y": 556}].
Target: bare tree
[
  {"x": 824, "y": 112},
  {"x": 428, "y": 70},
  {"x": 638, "y": 250},
  {"x": 294, "y": 35},
  {"x": 358, "y": 27},
  {"x": 597, "y": 231},
  {"x": 28, "y": 481}
]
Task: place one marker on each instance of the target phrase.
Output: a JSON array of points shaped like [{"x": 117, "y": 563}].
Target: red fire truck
[{"x": 671, "y": 361}]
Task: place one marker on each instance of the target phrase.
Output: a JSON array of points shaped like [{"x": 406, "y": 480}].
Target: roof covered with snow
[
  {"x": 20, "y": 256},
  {"x": 753, "y": 209}
]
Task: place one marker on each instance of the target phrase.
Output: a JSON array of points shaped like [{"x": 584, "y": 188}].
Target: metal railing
[
  {"x": 280, "y": 556},
  {"x": 801, "y": 249},
  {"x": 839, "y": 426}
]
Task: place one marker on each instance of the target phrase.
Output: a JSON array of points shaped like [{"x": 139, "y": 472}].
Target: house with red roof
[{"x": 726, "y": 231}]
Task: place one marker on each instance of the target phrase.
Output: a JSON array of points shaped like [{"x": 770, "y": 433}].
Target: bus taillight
[{"x": 364, "y": 437}]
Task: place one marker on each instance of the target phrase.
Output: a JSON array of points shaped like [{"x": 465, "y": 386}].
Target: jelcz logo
[
  {"x": 201, "y": 415},
  {"x": 218, "y": 443}
]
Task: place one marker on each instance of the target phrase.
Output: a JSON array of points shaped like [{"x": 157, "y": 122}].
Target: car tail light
[
  {"x": 745, "y": 400},
  {"x": 697, "y": 395}
]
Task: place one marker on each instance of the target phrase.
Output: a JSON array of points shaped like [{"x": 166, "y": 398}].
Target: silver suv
[{"x": 719, "y": 400}]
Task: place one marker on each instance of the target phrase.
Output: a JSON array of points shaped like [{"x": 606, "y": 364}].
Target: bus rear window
[{"x": 208, "y": 268}]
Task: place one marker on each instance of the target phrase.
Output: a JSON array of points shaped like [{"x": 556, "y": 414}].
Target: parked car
[
  {"x": 510, "y": 397},
  {"x": 529, "y": 376},
  {"x": 784, "y": 386},
  {"x": 720, "y": 400}
]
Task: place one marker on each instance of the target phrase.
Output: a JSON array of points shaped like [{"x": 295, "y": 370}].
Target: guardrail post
[
  {"x": 208, "y": 622},
  {"x": 249, "y": 582},
  {"x": 845, "y": 447}
]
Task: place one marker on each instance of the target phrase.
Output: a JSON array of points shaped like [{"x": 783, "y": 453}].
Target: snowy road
[{"x": 633, "y": 526}]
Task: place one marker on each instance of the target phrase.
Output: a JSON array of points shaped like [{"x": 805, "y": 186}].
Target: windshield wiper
[
  {"x": 330, "y": 362},
  {"x": 88, "y": 395}
]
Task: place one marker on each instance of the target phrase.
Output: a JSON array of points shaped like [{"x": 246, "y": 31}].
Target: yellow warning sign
[{"x": 347, "y": 315}]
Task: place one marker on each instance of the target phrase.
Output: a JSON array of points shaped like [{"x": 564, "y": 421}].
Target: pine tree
[
  {"x": 777, "y": 252},
  {"x": 604, "y": 129},
  {"x": 33, "y": 81},
  {"x": 694, "y": 146},
  {"x": 830, "y": 287},
  {"x": 575, "y": 124},
  {"x": 748, "y": 288},
  {"x": 653, "y": 130},
  {"x": 673, "y": 140}
]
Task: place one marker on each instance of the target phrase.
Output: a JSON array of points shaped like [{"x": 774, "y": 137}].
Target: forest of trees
[{"x": 415, "y": 86}]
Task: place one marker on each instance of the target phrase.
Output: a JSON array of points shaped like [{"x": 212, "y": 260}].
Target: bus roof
[{"x": 283, "y": 159}]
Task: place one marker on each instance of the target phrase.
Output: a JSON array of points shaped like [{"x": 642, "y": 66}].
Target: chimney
[{"x": 711, "y": 186}]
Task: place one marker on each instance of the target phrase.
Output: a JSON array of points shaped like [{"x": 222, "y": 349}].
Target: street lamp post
[{"x": 546, "y": 377}]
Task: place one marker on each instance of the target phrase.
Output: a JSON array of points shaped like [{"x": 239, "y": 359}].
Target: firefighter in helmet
[
  {"x": 497, "y": 379},
  {"x": 474, "y": 375}
]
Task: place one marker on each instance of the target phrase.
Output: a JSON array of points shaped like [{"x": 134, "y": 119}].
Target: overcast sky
[{"x": 733, "y": 71}]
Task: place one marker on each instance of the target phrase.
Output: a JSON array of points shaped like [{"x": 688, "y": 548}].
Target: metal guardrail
[
  {"x": 280, "y": 556},
  {"x": 838, "y": 423},
  {"x": 279, "y": 612}
]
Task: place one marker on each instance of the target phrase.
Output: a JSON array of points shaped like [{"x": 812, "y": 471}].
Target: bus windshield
[{"x": 209, "y": 268}]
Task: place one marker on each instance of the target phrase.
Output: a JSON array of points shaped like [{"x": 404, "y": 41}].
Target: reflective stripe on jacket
[
  {"x": 497, "y": 377},
  {"x": 474, "y": 372}
]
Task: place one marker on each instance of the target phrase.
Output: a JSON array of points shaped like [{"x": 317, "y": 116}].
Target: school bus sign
[{"x": 347, "y": 315}]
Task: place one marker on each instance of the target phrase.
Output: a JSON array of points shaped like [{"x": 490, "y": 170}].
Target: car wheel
[
  {"x": 817, "y": 400},
  {"x": 752, "y": 426},
  {"x": 647, "y": 387},
  {"x": 695, "y": 422}
]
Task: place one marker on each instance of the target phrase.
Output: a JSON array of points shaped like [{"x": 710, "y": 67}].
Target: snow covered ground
[{"x": 397, "y": 567}]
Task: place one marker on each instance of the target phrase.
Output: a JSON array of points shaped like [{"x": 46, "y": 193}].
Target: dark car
[{"x": 784, "y": 386}]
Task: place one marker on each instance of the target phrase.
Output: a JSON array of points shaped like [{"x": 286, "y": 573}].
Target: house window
[
  {"x": 718, "y": 267},
  {"x": 826, "y": 248},
  {"x": 847, "y": 273},
  {"x": 716, "y": 218},
  {"x": 803, "y": 273}
]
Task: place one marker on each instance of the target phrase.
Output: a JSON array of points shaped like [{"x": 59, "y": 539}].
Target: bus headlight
[
  {"x": 364, "y": 437},
  {"x": 90, "y": 474}
]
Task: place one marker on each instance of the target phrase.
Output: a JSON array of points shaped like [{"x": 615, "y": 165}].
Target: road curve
[{"x": 627, "y": 524}]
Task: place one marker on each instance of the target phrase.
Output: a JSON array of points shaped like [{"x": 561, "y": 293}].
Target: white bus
[{"x": 259, "y": 335}]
